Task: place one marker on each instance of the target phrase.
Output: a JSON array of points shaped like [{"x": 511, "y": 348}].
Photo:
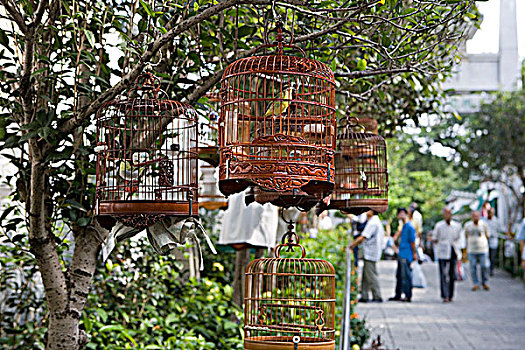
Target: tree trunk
[
  {"x": 63, "y": 332},
  {"x": 242, "y": 256}
]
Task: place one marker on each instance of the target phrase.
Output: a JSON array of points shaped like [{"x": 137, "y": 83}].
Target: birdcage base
[
  {"x": 298, "y": 198},
  {"x": 276, "y": 176},
  {"x": 355, "y": 206},
  {"x": 285, "y": 343},
  {"x": 148, "y": 207}
]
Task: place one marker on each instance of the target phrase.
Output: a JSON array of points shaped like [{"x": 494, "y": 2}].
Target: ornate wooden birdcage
[
  {"x": 361, "y": 176},
  {"x": 277, "y": 124},
  {"x": 146, "y": 156},
  {"x": 289, "y": 302}
]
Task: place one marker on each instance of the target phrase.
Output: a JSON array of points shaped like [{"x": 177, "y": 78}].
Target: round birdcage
[
  {"x": 361, "y": 176},
  {"x": 277, "y": 124},
  {"x": 289, "y": 302},
  {"x": 146, "y": 156}
]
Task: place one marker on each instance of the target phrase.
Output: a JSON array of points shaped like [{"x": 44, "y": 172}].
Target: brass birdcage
[
  {"x": 289, "y": 302},
  {"x": 146, "y": 157},
  {"x": 277, "y": 124}
]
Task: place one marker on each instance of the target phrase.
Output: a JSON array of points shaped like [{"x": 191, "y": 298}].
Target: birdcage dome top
[
  {"x": 280, "y": 64},
  {"x": 295, "y": 266},
  {"x": 346, "y": 134}
]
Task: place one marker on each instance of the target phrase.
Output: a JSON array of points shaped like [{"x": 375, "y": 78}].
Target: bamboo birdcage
[
  {"x": 289, "y": 302},
  {"x": 361, "y": 171},
  {"x": 146, "y": 156},
  {"x": 277, "y": 124}
]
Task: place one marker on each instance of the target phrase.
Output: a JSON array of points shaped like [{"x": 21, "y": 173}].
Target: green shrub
[{"x": 142, "y": 301}]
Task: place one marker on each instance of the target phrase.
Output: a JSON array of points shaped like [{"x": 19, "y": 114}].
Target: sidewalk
[{"x": 474, "y": 320}]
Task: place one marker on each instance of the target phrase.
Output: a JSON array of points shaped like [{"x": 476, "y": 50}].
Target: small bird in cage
[
  {"x": 131, "y": 172},
  {"x": 279, "y": 107}
]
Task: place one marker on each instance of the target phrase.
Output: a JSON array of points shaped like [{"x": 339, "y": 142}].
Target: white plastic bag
[{"x": 418, "y": 278}]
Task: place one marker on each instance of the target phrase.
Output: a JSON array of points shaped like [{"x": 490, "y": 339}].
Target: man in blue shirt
[{"x": 406, "y": 254}]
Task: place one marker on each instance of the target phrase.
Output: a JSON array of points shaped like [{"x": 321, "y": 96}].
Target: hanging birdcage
[
  {"x": 277, "y": 124},
  {"x": 146, "y": 156},
  {"x": 361, "y": 174},
  {"x": 289, "y": 302}
]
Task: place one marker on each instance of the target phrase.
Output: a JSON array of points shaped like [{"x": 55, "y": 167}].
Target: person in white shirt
[
  {"x": 372, "y": 240},
  {"x": 477, "y": 234},
  {"x": 492, "y": 223},
  {"x": 447, "y": 234}
]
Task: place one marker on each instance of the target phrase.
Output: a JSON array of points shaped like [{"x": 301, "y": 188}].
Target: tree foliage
[
  {"x": 63, "y": 59},
  {"x": 416, "y": 176},
  {"x": 490, "y": 144}
]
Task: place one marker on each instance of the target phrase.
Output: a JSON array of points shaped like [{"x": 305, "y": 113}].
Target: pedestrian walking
[
  {"x": 492, "y": 223},
  {"x": 406, "y": 254},
  {"x": 372, "y": 240},
  {"x": 447, "y": 234},
  {"x": 477, "y": 234}
]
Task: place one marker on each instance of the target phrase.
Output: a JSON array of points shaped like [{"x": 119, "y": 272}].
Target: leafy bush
[
  {"x": 22, "y": 307},
  {"x": 142, "y": 301}
]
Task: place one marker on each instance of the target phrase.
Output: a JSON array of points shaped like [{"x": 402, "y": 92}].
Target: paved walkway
[{"x": 474, "y": 320}]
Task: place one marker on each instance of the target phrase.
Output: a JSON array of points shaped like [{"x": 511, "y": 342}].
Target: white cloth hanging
[{"x": 254, "y": 224}]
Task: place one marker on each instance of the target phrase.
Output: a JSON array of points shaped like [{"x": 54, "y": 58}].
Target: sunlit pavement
[{"x": 492, "y": 319}]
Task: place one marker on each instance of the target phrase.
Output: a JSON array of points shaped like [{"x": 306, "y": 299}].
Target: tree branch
[
  {"x": 16, "y": 16},
  {"x": 42, "y": 6},
  {"x": 368, "y": 73},
  {"x": 150, "y": 52}
]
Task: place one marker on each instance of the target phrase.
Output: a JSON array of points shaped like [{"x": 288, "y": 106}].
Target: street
[{"x": 492, "y": 319}]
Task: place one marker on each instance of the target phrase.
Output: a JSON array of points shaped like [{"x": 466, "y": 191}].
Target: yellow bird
[{"x": 277, "y": 108}]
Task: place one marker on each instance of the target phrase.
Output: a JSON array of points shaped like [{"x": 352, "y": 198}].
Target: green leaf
[
  {"x": 90, "y": 37},
  {"x": 147, "y": 8},
  {"x": 71, "y": 203},
  {"x": 113, "y": 327},
  {"x": 361, "y": 64},
  {"x": 84, "y": 221},
  {"x": 130, "y": 338},
  {"x": 6, "y": 212},
  {"x": 245, "y": 31},
  {"x": 103, "y": 314}
]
